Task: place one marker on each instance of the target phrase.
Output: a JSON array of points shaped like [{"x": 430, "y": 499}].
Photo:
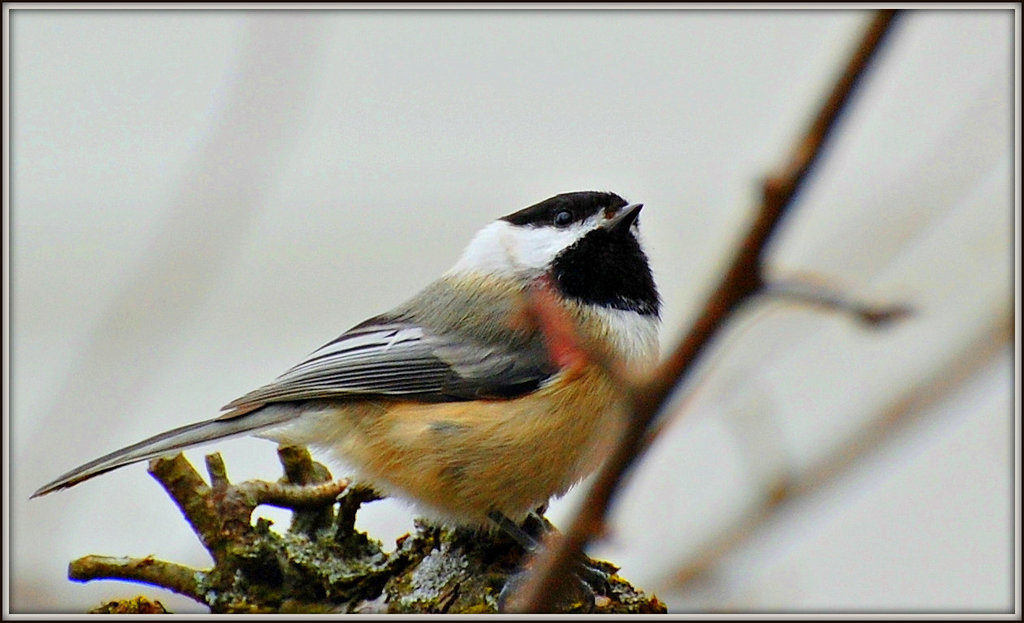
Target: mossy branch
[{"x": 322, "y": 563}]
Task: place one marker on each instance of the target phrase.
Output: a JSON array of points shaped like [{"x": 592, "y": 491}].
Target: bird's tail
[{"x": 175, "y": 440}]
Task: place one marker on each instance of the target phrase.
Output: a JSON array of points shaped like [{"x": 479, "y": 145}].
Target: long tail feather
[{"x": 173, "y": 441}]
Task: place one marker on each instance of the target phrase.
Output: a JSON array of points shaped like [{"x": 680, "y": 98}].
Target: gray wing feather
[{"x": 402, "y": 359}]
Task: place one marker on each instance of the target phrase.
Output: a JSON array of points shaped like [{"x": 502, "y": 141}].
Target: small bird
[{"x": 453, "y": 399}]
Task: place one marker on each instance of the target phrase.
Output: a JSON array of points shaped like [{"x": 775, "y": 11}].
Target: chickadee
[{"x": 452, "y": 399}]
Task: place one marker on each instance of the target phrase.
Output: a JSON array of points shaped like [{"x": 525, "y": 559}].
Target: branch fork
[{"x": 220, "y": 513}]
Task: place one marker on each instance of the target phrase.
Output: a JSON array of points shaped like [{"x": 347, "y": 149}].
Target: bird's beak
[{"x": 624, "y": 219}]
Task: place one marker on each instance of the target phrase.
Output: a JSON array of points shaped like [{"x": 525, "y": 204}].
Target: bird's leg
[
  {"x": 514, "y": 530},
  {"x": 592, "y": 579},
  {"x": 593, "y": 574}
]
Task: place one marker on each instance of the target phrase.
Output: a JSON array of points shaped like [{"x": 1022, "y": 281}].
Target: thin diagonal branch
[{"x": 742, "y": 280}]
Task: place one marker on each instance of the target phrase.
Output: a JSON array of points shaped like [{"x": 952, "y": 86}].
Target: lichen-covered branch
[
  {"x": 322, "y": 563},
  {"x": 136, "y": 605}
]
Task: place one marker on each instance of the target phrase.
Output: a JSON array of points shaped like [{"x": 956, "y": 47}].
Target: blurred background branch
[{"x": 787, "y": 488}]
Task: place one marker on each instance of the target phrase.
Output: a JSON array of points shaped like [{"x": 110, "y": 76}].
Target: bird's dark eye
[{"x": 563, "y": 218}]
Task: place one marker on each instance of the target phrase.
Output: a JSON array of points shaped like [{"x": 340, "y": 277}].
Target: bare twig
[
  {"x": 188, "y": 490},
  {"x": 742, "y": 280},
  {"x": 821, "y": 295},
  {"x": 294, "y": 497},
  {"x": 178, "y": 578}
]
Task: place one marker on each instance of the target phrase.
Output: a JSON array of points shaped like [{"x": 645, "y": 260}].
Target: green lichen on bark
[
  {"x": 455, "y": 571},
  {"x": 135, "y": 605},
  {"x": 322, "y": 564}
]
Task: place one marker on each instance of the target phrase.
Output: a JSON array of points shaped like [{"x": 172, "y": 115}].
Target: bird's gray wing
[{"x": 400, "y": 358}]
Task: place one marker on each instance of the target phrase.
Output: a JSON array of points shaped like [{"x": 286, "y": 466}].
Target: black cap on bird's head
[{"x": 567, "y": 209}]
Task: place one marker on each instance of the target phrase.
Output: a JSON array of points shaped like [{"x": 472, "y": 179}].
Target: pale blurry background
[{"x": 199, "y": 198}]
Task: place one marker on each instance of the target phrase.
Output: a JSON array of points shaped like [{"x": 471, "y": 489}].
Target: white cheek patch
[{"x": 506, "y": 249}]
